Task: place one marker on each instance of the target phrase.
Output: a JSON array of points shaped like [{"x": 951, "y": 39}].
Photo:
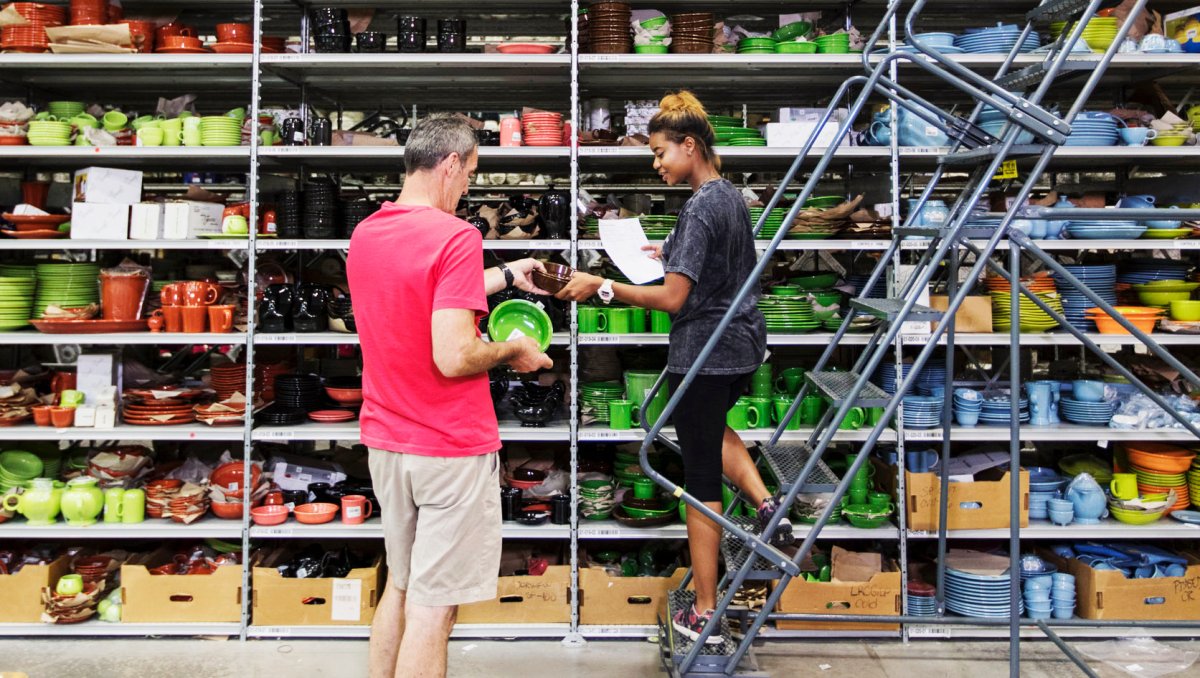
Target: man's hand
[
  {"x": 653, "y": 251},
  {"x": 529, "y": 357},
  {"x": 582, "y": 287},
  {"x": 522, "y": 268}
]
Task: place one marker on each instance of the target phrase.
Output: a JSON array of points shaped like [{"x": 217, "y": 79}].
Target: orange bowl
[
  {"x": 269, "y": 515},
  {"x": 345, "y": 396},
  {"x": 1107, "y": 325},
  {"x": 1160, "y": 458},
  {"x": 227, "y": 511},
  {"x": 226, "y": 476},
  {"x": 315, "y": 514}
]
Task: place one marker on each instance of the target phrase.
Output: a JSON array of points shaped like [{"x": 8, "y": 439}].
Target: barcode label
[
  {"x": 915, "y": 244},
  {"x": 276, "y": 531},
  {"x": 274, "y": 338},
  {"x": 866, "y": 244},
  {"x": 914, "y": 339},
  {"x": 275, "y": 630},
  {"x": 603, "y": 532},
  {"x": 603, "y": 435},
  {"x": 931, "y": 434},
  {"x": 280, "y": 435},
  {"x": 601, "y": 338},
  {"x": 1187, "y": 244},
  {"x": 928, "y": 631}
]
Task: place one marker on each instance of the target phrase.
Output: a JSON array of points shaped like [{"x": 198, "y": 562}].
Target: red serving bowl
[
  {"x": 227, "y": 475},
  {"x": 234, "y": 32},
  {"x": 227, "y": 511},
  {"x": 269, "y": 515},
  {"x": 315, "y": 514},
  {"x": 345, "y": 395}
]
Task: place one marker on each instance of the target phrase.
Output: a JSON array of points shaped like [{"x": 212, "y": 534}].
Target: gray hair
[{"x": 435, "y": 138}]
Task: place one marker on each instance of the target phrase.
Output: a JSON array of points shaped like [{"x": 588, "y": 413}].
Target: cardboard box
[
  {"x": 974, "y": 316},
  {"x": 796, "y": 134},
  {"x": 93, "y": 221},
  {"x": 604, "y": 599},
  {"x": 1108, "y": 594},
  {"x": 878, "y": 596},
  {"x": 811, "y": 114},
  {"x": 164, "y": 598},
  {"x": 188, "y": 219},
  {"x": 105, "y": 185},
  {"x": 146, "y": 221},
  {"x": 348, "y": 601},
  {"x": 22, "y": 592},
  {"x": 979, "y": 505},
  {"x": 525, "y": 600}
]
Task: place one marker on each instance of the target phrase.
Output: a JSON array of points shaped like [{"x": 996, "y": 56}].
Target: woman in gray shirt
[{"x": 707, "y": 258}]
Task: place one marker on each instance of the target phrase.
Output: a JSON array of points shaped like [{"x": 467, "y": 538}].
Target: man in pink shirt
[{"x": 419, "y": 289}]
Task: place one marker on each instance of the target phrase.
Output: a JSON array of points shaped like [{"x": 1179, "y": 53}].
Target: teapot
[
  {"x": 1055, "y": 227},
  {"x": 1136, "y": 201},
  {"x": 1088, "y": 499},
  {"x": 82, "y": 501},
  {"x": 39, "y": 503}
]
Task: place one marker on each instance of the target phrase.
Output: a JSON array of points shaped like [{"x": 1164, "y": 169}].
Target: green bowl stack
[
  {"x": 787, "y": 314},
  {"x": 597, "y": 394},
  {"x": 796, "y": 47},
  {"x": 66, "y": 286},
  {"x": 16, "y": 301},
  {"x": 757, "y": 46},
  {"x": 739, "y": 136},
  {"x": 658, "y": 226},
  {"x": 835, "y": 43},
  {"x": 773, "y": 223}
]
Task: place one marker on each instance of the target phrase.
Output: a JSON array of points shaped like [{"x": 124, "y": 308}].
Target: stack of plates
[
  {"x": 998, "y": 40},
  {"x": 1100, "y": 279},
  {"x": 1141, "y": 271},
  {"x": 739, "y": 136},
  {"x": 923, "y": 411},
  {"x": 16, "y": 301},
  {"x": 996, "y": 410},
  {"x": 1159, "y": 482},
  {"x": 773, "y": 223},
  {"x": 1033, "y": 318},
  {"x": 978, "y": 595},
  {"x": 1101, "y": 230},
  {"x": 787, "y": 314},
  {"x": 49, "y": 133},
  {"x": 657, "y": 226},
  {"x": 220, "y": 130},
  {"x": 932, "y": 376},
  {"x": 596, "y": 395},
  {"x": 298, "y": 390},
  {"x": 168, "y": 412},
  {"x": 18, "y": 467},
  {"x": 228, "y": 379},
  {"x": 277, "y": 415},
  {"x": 1086, "y": 413},
  {"x": 66, "y": 286},
  {"x": 922, "y": 599},
  {"x": 859, "y": 282},
  {"x": 1093, "y": 128},
  {"x": 542, "y": 128},
  {"x": 1044, "y": 484},
  {"x": 1193, "y": 477}
]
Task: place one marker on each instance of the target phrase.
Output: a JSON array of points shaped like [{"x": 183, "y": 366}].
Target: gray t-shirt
[{"x": 713, "y": 245}]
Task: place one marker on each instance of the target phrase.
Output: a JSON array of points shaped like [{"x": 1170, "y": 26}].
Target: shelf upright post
[
  {"x": 574, "y": 638},
  {"x": 247, "y": 415},
  {"x": 1014, "y": 464}
]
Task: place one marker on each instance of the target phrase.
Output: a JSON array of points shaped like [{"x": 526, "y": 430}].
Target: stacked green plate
[
  {"x": 220, "y": 130},
  {"x": 835, "y": 43},
  {"x": 788, "y": 314},
  {"x": 597, "y": 394},
  {"x": 658, "y": 226},
  {"x": 824, "y": 201},
  {"x": 725, "y": 121},
  {"x": 66, "y": 286},
  {"x": 18, "y": 271},
  {"x": 16, "y": 301},
  {"x": 65, "y": 110},
  {"x": 49, "y": 133},
  {"x": 739, "y": 136},
  {"x": 591, "y": 227},
  {"x": 757, "y": 46},
  {"x": 861, "y": 323},
  {"x": 18, "y": 467},
  {"x": 1033, "y": 318},
  {"x": 772, "y": 225}
]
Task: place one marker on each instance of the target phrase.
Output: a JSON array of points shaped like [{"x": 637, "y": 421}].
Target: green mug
[
  {"x": 811, "y": 409},
  {"x": 762, "y": 383},
  {"x": 782, "y": 405},
  {"x": 643, "y": 488},
  {"x": 637, "y": 385},
  {"x": 133, "y": 506},
  {"x": 172, "y": 131},
  {"x": 740, "y": 417},
  {"x": 112, "y": 504},
  {"x": 143, "y": 121},
  {"x": 591, "y": 320},
  {"x": 620, "y": 415},
  {"x": 620, "y": 320},
  {"x": 874, "y": 416},
  {"x": 660, "y": 322},
  {"x": 790, "y": 380},
  {"x": 266, "y": 137},
  {"x": 853, "y": 420},
  {"x": 761, "y": 406},
  {"x": 1124, "y": 486},
  {"x": 637, "y": 320},
  {"x": 879, "y": 500}
]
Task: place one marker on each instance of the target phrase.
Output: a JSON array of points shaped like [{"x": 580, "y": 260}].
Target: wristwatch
[
  {"x": 508, "y": 275},
  {"x": 606, "y": 291}
]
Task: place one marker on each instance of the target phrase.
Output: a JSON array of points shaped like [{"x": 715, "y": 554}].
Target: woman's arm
[{"x": 668, "y": 297}]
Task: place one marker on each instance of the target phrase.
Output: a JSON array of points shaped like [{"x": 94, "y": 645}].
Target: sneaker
[
  {"x": 690, "y": 623},
  {"x": 783, "y": 532}
]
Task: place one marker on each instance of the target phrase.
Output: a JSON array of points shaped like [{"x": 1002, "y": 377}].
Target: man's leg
[
  {"x": 423, "y": 650},
  {"x": 387, "y": 628}
]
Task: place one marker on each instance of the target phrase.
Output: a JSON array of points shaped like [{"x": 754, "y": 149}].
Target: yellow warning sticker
[{"x": 1008, "y": 170}]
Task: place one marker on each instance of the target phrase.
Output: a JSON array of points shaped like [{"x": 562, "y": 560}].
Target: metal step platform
[
  {"x": 1055, "y": 10},
  {"x": 890, "y": 309},
  {"x": 984, "y": 154},
  {"x": 836, "y": 387},
  {"x": 735, "y": 553},
  {"x": 712, "y": 658},
  {"x": 787, "y": 461}
]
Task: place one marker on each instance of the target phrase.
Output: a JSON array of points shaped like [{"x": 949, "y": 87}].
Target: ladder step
[
  {"x": 1056, "y": 10},
  {"x": 890, "y": 310},
  {"x": 711, "y": 655},
  {"x": 836, "y": 387},
  {"x": 1023, "y": 78},
  {"x": 787, "y": 462},
  {"x": 982, "y": 154},
  {"x": 735, "y": 552}
]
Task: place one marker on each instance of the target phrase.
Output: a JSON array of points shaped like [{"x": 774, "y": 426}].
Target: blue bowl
[
  {"x": 1064, "y": 612},
  {"x": 966, "y": 418},
  {"x": 1061, "y": 517}
]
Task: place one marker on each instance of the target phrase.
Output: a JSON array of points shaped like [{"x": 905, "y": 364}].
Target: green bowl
[
  {"x": 824, "y": 201},
  {"x": 519, "y": 318},
  {"x": 651, "y": 49},
  {"x": 785, "y": 290},
  {"x": 1187, "y": 311},
  {"x": 638, "y": 513},
  {"x": 1163, "y": 298},
  {"x": 827, "y": 297},
  {"x": 796, "y": 29},
  {"x": 865, "y": 523},
  {"x": 796, "y": 48},
  {"x": 820, "y": 281},
  {"x": 650, "y": 24},
  {"x": 21, "y": 464},
  {"x": 1135, "y": 517},
  {"x": 757, "y": 42}
]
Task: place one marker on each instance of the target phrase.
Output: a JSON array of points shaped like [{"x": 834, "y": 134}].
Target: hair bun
[{"x": 682, "y": 101}]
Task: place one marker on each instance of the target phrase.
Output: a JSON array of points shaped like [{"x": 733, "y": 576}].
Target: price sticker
[
  {"x": 602, "y": 338},
  {"x": 919, "y": 534},
  {"x": 274, "y": 338},
  {"x": 920, "y": 245},
  {"x": 283, "y": 244},
  {"x": 276, "y": 532},
  {"x": 923, "y": 150},
  {"x": 929, "y": 631},
  {"x": 282, "y": 434},
  {"x": 914, "y": 339},
  {"x": 603, "y": 435},
  {"x": 1186, "y": 244},
  {"x": 285, "y": 150},
  {"x": 866, "y": 245},
  {"x": 1008, "y": 170},
  {"x": 930, "y": 434},
  {"x": 604, "y": 532},
  {"x": 275, "y": 631}
]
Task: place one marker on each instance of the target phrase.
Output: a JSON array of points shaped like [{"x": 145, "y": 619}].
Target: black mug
[
  {"x": 321, "y": 132},
  {"x": 292, "y": 131},
  {"x": 510, "y": 503},
  {"x": 452, "y": 43},
  {"x": 560, "y": 509}
]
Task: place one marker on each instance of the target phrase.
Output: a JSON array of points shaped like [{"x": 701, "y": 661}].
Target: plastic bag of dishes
[{"x": 1138, "y": 412}]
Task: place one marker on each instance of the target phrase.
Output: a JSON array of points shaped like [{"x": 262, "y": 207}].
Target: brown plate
[
  {"x": 623, "y": 518},
  {"x": 88, "y": 326}
]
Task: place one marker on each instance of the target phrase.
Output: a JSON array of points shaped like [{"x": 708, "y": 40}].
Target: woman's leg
[
  {"x": 704, "y": 542},
  {"x": 738, "y": 467}
]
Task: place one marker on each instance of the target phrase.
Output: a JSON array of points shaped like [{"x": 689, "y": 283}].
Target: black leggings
[{"x": 700, "y": 425}]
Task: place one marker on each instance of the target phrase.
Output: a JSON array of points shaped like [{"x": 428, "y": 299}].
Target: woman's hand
[
  {"x": 522, "y": 268},
  {"x": 653, "y": 251},
  {"x": 582, "y": 287}
]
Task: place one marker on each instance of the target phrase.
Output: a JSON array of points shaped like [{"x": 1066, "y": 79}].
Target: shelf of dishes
[
  {"x": 495, "y": 631},
  {"x": 70, "y": 244},
  {"x": 841, "y": 244},
  {"x": 233, "y": 158},
  {"x": 509, "y": 431},
  {"x": 602, "y": 434},
  {"x": 1107, "y": 528},
  {"x": 960, "y": 339},
  {"x": 1063, "y": 432},
  {"x": 263, "y": 244},
  {"x": 610, "y": 529},
  {"x": 118, "y": 338},
  {"x": 392, "y": 157},
  {"x": 937, "y": 631},
  {"x": 336, "y": 338},
  {"x": 373, "y": 529},
  {"x": 150, "y": 529},
  {"x": 95, "y": 627},
  {"x": 182, "y": 432}
]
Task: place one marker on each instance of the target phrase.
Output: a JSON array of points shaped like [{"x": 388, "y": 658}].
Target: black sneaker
[
  {"x": 783, "y": 532},
  {"x": 690, "y": 623}
]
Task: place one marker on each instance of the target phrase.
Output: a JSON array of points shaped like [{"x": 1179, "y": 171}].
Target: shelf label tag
[
  {"x": 603, "y": 532},
  {"x": 930, "y": 434},
  {"x": 1186, "y": 244},
  {"x": 919, "y": 534},
  {"x": 865, "y": 245},
  {"x": 347, "y": 600},
  {"x": 1008, "y": 170},
  {"x": 281, "y": 631},
  {"x": 914, "y": 339},
  {"x": 277, "y": 532},
  {"x": 603, "y": 435},
  {"x": 283, "y": 244},
  {"x": 929, "y": 631},
  {"x": 601, "y": 338},
  {"x": 285, "y": 434},
  {"x": 275, "y": 338}
]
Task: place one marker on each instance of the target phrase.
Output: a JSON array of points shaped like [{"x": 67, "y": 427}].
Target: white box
[
  {"x": 146, "y": 221},
  {"x": 95, "y": 221},
  {"x": 811, "y": 115},
  {"x": 188, "y": 219},
  {"x": 96, "y": 373},
  {"x": 85, "y": 416},
  {"x": 796, "y": 134},
  {"x": 108, "y": 186}
]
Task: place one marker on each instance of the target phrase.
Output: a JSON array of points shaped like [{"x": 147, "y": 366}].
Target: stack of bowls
[
  {"x": 1193, "y": 478},
  {"x": 597, "y": 499},
  {"x": 1060, "y": 511},
  {"x": 330, "y": 29},
  {"x": 220, "y": 130},
  {"x": 793, "y": 31},
  {"x": 923, "y": 411},
  {"x": 757, "y": 46},
  {"x": 1100, "y": 32},
  {"x": 796, "y": 47},
  {"x": 18, "y": 467},
  {"x": 320, "y": 210},
  {"x": 354, "y": 212},
  {"x": 49, "y": 133},
  {"x": 16, "y": 301},
  {"x": 922, "y": 599},
  {"x": 692, "y": 33},
  {"x": 1101, "y": 280},
  {"x": 597, "y": 395},
  {"x": 1033, "y": 318},
  {"x": 1141, "y": 271},
  {"x": 608, "y": 28},
  {"x": 1163, "y": 468},
  {"x": 739, "y": 136},
  {"x": 1044, "y": 484},
  {"x": 1062, "y": 595},
  {"x": 834, "y": 43},
  {"x": 66, "y": 286},
  {"x": 997, "y": 410},
  {"x": 1035, "y": 586},
  {"x": 1161, "y": 293},
  {"x": 653, "y": 43},
  {"x": 65, "y": 110},
  {"x": 288, "y": 214},
  {"x": 968, "y": 404},
  {"x": 1093, "y": 128}
]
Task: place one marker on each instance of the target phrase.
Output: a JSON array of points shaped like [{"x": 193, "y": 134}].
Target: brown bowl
[{"x": 549, "y": 283}]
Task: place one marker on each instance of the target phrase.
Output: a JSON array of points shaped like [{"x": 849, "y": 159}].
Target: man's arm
[{"x": 459, "y": 352}]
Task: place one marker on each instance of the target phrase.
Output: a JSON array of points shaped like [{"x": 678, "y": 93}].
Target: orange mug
[
  {"x": 199, "y": 293},
  {"x": 194, "y": 318},
  {"x": 62, "y": 381},
  {"x": 171, "y": 294},
  {"x": 220, "y": 318},
  {"x": 355, "y": 509},
  {"x": 173, "y": 318}
]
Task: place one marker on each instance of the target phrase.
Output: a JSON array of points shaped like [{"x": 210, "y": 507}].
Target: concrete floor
[{"x": 123, "y": 658}]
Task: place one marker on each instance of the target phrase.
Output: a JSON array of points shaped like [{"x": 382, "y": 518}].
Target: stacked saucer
[
  {"x": 1086, "y": 413},
  {"x": 1101, "y": 280},
  {"x": 922, "y": 599},
  {"x": 220, "y": 130},
  {"x": 788, "y": 314},
  {"x": 277, "y": 415},
  {"x": 1093, "y": 128},
  {"x": 66, "y": 286},
  {"x": 597, "y": 395},
  {"x": 1141, "y": 271},
  {"x": 1032, "y": 319},
  {"x": 542, "y": 128},
  {"x": 298, "y": 390},
  {"x": 228, "y": 379},
  {"x": 996, "y": 410},
  {"x": 923, "y": 411}
]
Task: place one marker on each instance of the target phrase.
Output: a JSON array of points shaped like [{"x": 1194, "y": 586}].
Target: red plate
[
  {"x": 43, "y": 219},
  {"x": 88, "y": 326},
  {"x": 182, "y": 50},
  {"x": 13, "y": 141},
  {"x": 232, "y": 47},
  {"x": 138, "y": 422},
  {"x": 525, "y": 48},
  {"x": 36, "y": 235}
]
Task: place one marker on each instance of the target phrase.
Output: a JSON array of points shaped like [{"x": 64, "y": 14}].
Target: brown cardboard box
[
  {"x": 981, "y": 505},
  {"x": 525, "y": 600},
  {"x": 623, "y": 600},
  {"x": 878, "y": 596},
  {"x": 150, "y": 598},
  {"x": 974, "y": 316},
  {"x": 22, "y": 592},
  {"x": 1108, "y": 594},
  {"x": 348, "y": 601}
]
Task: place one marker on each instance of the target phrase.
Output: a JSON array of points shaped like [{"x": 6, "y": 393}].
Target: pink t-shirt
[{"x": 405, "y": 263}]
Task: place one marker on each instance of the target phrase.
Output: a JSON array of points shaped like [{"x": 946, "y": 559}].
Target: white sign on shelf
[{"x": 346, "y": 600}]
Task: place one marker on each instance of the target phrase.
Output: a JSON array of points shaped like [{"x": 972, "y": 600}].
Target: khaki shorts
[{"x": 441, "y": 524}]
